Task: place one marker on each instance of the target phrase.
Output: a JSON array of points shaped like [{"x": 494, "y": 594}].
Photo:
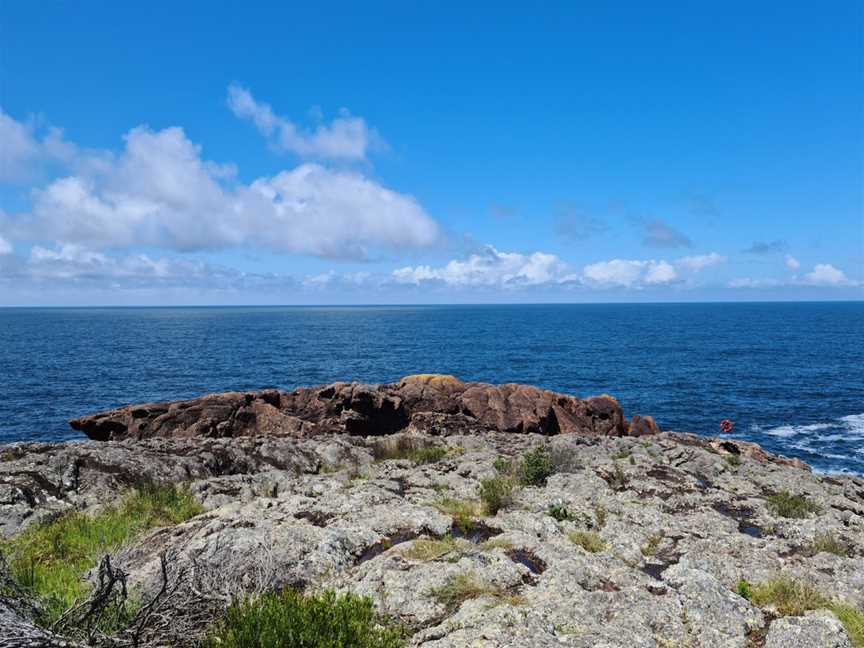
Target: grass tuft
[
  {"x": 827, "y": 543},
  {"x": 464, "y": 512},
  {"x": 652, "y": 545},
  {"x": 787, "y": 505},
  {"x": 50, "y": 559},
  {"x": 463, "y": 587},
  {"x": 496, "y": 493},
  {"x": 289, "y": 619},
  {"x": 431, "y": 549},
  {"x": 418, "y": 451},
  {"x": 790, "y": 597},
  {"x": 588, "y": 540}
]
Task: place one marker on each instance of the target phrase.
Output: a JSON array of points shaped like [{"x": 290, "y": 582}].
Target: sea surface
[{"x": 791, "y": 375}]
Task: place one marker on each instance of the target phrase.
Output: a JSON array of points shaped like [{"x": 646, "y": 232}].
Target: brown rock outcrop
[{"x": 361, "y": 409}]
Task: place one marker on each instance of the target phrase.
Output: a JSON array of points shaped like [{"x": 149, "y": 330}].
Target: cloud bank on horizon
[{"x": 154, "y": 220}]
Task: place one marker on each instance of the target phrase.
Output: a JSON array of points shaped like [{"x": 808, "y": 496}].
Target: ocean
[{"x": 788, "y": 374}]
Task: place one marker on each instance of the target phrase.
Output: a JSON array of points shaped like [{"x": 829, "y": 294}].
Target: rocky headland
[{"x": 470, "y": 514}]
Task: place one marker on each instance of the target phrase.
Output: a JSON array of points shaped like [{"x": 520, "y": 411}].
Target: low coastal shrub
[
  {"x": 289, "y": 619},
  {"x": 537, "y": 467},
  {"x": 785, "y": 504},
  {"x": 496, "y": 493},
  {"x": 588, "y": 540},
  {"x": 790, "y": 597},
  {"x": 49, "y": 559}
]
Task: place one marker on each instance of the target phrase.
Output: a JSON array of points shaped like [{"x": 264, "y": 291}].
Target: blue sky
[{"x": 405, "y": 152}]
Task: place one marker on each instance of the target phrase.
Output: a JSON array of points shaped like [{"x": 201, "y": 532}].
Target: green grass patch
[
  {"x": 588, "y": 540},
  {"x": 49, "y": 559},
  {"x": 417, "y": 451},
  {"x": 464, "y": 512},
  {"x": 787, "y": 505},
  {"x": 827, "y": 543},
  {"x": 790, "y": 597},
  {"x": 465, "y": 586},
  {"x": 431, "y": 549},
  {"x": 289, "y": 619}
]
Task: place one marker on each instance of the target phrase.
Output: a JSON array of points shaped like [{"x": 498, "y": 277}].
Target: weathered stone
[{"x": 818, "y": 629}]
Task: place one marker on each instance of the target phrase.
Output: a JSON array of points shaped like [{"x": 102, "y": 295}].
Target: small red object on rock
[{"x": 726, "y": 426}]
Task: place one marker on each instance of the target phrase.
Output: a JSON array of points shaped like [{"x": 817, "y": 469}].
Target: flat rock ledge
[{"x": 682, "y": 518}]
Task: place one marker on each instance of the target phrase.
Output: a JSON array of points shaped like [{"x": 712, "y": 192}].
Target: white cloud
[
  {"x": 791, "y": 262},
  {"x": 346, "y": 137},
  {"x": 491, "y": 268},
  {"x": 23, "y": 148},
  {"x": 749, "y": 282},
  {"x": 825, "y": 274},
  {"x": 628, "y": 273},
  {"x": 700, "y": 261},
  {"x": 5, "y": 246},
  {"x": 159, "y": 192}
]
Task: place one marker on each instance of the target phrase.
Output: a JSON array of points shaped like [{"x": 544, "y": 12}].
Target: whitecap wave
[{"x": 854, "y": 424}]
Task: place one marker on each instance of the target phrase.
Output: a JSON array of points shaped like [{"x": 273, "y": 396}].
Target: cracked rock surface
[{"x": 681, "y": 518}]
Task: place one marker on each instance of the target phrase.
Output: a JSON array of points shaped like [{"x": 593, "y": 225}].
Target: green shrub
[
  {"x": 428, "y": 455},
  {"x": 537, "y": 467},
  {"x": 288, "y": 619},
  {"x": 787, "y": 505},
  {"x": 496, "y": 493},
  {"x": 560, "y": 513},
  {"x": 502, "y": 465},
  {"x": 50, "y": 558},
  {"x": 743, "y": 589},
  {"x": 588, "y": 540}
]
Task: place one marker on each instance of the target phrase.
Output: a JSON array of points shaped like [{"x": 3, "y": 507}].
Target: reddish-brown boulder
[{"x": 360, "y": 409}]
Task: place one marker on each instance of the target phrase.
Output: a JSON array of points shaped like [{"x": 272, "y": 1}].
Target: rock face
[
  {"x": 637, "y": 540},
  {"x": 364, "y": 410},
  {"x": 679, "y": 521}
]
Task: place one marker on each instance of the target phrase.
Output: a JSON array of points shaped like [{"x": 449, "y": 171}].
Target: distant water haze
[{"x": 788, "y": 374}]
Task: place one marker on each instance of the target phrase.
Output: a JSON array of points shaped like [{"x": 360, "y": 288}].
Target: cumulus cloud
[
  {"x": 346, "y": 137},
  {"x": 825, "y": 274},
  {"x": 490, "y": 268},
  {"x": 24, "y": 147},
  {"x": 629, "y": 273},
  {"x": 658, "y": 233},
  {"x": 160, "y": 192},
  {"x": 822, "y": 275},
  {"x": 791, "y": 262},
  {"x": 767, "y": 247},
  {"x": 5, "y": 246}
]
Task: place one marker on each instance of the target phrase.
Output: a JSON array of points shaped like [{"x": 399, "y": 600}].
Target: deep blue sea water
[{"x": 789, "y": 374}]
